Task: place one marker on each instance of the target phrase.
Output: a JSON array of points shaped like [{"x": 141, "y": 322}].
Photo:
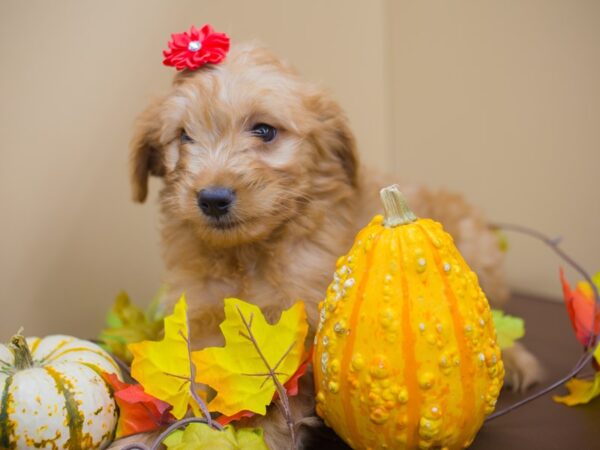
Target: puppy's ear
[
  {"x": 344, "y": 148},
  {"x": 146, "y": 151},
  {"x": 335, "y": 138}
]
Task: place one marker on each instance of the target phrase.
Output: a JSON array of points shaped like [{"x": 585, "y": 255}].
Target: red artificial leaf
[
  {"x": 138, "y": 411},
  {"x": 581, "y": 306},
  {"x": 224, "y": 420},
  {"x": 192, "y": 49},
  {"x": 291, "y": 388}
]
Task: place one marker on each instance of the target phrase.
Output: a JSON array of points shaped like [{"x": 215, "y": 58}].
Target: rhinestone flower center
[{"x": 194, "y": 46}]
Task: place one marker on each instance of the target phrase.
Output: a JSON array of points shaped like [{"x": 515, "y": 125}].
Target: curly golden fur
[{"x": 300, "y": 199}]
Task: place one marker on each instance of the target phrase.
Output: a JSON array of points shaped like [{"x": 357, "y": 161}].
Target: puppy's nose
[{"x": 215, "y": 201}]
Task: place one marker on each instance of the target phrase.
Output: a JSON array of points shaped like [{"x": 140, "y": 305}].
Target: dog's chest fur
[{"x": 295, "y": 264}]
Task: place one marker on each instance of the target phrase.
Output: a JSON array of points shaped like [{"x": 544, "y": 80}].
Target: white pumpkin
[{"x": 52, "y": 395}]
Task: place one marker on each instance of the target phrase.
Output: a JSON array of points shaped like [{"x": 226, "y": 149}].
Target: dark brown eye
[
  {"x": 265, "y": 132},
  {"x": 184, "y": 138}
]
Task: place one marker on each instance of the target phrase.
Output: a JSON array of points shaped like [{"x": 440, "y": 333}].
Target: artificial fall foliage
[
  {"x": 259, "y": 362},
  {"x": 508, "y": 328},
  {"x": 240, "y": 371},
  {"x": 138, "y": 411},
  {"x": 582, "y": 309},
  {"x": 291, "y": 388},
  {"x": 126, "y": 323},
  {"x": 163, "y": 367},
  {"x": 201, "y": 436},
  {"x": 581, "y": 391},
  {"x": 585, "y": 319}
]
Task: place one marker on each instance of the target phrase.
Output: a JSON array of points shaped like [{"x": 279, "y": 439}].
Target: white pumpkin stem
[
  {"x": 395, "y": 207},
  {"x": 19, "y": 348}
]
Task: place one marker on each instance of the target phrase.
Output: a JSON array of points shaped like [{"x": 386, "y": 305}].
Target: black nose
[{"x": 215, "y": 201}]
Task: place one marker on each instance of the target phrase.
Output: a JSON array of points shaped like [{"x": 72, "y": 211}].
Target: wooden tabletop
[{"x": 542, "y": 424}]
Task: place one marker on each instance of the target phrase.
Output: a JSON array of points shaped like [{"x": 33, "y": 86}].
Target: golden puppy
[{"x": 263, "y": 190}]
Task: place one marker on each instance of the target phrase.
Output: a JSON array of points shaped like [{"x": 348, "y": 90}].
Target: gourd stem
[
  {"x": 396, "y": 210},
  {"x": 19, "y": 348}
]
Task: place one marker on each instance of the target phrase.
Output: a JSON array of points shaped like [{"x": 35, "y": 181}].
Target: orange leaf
[
  {"x": 224, "y": 420},
  {"x": 581, "y": 306}
]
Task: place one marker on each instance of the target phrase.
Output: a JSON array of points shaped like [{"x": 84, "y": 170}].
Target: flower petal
[{"x": 180, "y": 40}]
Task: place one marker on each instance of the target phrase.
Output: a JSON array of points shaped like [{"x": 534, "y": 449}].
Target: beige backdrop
[{"x": 500, "y": 100}]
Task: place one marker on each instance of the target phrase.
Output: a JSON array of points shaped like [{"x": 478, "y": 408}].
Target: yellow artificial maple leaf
[
  {"x": 239, "y": 372},
  {"x": 581, "y": 391},
  {"x": 164, "y": 367}
]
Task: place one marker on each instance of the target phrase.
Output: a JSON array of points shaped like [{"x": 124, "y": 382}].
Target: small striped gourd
[
  {"x": 406, "y": 354},
  {"x": 52, "y": 395}
]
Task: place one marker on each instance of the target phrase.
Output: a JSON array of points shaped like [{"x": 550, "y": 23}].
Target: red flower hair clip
[{"x": 192, "y": 49}]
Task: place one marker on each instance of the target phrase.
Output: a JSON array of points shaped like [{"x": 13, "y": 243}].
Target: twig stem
[
  {"x": 554, "y": 245},
  {"x": 201, "y": 404},
  {"x": 283, "y": 398}
]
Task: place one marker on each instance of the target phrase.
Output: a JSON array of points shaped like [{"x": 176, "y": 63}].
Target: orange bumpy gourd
[{"x": 406, "y": 354}]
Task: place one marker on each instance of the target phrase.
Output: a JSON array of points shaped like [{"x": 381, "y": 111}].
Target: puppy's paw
[{"x": 523, "y": 370}]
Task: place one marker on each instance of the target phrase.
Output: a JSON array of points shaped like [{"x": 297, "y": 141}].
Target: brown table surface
[{"x": 543, "y": 423}]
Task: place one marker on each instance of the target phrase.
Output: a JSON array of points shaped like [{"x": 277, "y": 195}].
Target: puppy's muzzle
[{"x": 215, "y": 201}]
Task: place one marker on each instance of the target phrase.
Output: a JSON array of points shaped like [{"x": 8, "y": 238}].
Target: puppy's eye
[
  {"x": 266, "y": 132},
  {"x": 184, "y": 138}
]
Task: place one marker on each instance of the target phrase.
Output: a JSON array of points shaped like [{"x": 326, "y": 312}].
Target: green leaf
[
  {"x": 508, "y": 328},
  {"x": 200, "y": 436},
  {"x": 126, "y": 323}
]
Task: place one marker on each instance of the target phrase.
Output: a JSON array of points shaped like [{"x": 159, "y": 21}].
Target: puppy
[{"x": 263, "y": 191}]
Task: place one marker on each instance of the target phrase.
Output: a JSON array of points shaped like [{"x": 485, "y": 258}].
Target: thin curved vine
[{"x": 592, "y": 344}]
